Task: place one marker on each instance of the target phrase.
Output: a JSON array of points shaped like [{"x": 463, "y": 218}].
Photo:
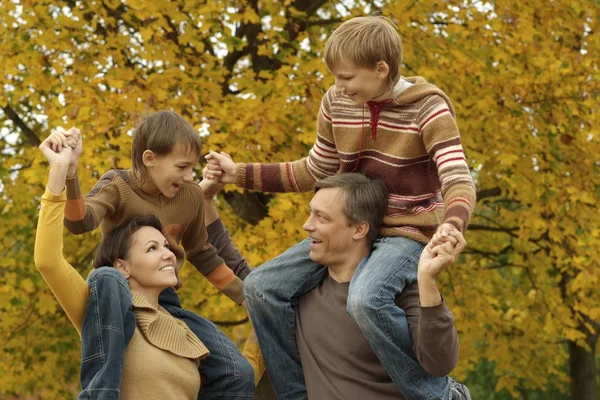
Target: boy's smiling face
[
  {"x": 167, "y": 173},
  {"x": 361, "y": 84}
]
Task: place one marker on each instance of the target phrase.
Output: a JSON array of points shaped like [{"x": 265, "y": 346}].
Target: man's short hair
[
  {"x": 365, "y": 199},
  {"x": 363, "y": 42}
]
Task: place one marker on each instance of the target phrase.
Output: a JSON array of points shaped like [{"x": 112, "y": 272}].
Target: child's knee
[
  {"x": 253, "y": 284},
  {"x": 245, "y": 370},
  {"x": 362, "y": 304},
  {"x": 108, "y": 277}
]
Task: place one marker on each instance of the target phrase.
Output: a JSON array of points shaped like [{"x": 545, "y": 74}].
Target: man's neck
[{"x": 344, "y": 272}]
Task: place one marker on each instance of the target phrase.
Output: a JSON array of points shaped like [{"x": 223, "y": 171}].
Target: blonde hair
[{"x": 364, "y": 41}]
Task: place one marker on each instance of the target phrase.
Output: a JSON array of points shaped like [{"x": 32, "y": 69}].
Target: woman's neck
[{"x": 151, "y": 294}]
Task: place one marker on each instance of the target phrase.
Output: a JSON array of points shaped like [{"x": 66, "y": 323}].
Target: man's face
[
  {"x": 360, "y": 84},
  {"x": 329, "y": 229},
  {"x": 168, "y": 173}
]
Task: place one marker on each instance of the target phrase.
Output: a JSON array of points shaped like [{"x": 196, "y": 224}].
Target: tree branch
[
  {"x": 231, "y": 323},
  {"x": 485, "y": 193},
  {"x": 29, "y": 134}
]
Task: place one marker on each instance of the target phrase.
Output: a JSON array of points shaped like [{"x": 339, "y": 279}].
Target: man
[{"x": 338, "y": 363}]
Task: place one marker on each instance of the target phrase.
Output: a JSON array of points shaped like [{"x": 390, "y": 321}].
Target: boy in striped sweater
[{"x": 399, "y": 130}]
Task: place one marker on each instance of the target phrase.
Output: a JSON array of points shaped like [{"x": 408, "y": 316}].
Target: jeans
[
  {"x": 108, "y": 326},
  {"x": 272, "y": 293}
]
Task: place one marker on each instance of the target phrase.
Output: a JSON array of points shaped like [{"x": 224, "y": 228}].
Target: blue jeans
[
  {"x": 272, "y": 293},
  {"x": 108, "y": 326}
]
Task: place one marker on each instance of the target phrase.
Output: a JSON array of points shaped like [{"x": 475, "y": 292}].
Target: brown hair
[
  {"x": 364, "y": 41},
  {"x": 161, "y": 132},
  {"x": 365, "y": 199},
  {"x": 116, "y": 244}
]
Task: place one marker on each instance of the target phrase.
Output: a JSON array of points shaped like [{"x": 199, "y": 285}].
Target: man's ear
[
  {"x": 123, "y": 267},
  {"x": 361, "y": 230},
  {"x": 383, "y": 69},
  {"x": 148, "y": 158}
]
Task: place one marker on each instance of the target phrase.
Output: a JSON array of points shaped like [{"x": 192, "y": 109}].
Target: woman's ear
[
  {"x": 383, "y": 69},
  {"x": 123, "y": 267},
  {"x": 148, "y": 158}
]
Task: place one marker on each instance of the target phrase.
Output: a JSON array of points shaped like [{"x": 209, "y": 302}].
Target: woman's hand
[{"x": 58, "y": 160}]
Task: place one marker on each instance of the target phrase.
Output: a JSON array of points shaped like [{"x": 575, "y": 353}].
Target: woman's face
[{"x": 151, "y": 264}]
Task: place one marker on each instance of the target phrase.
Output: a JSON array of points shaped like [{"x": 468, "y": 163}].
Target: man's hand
[
  {"x": 434, "y": 259},
  {"x": 220, "y": 167},
  {"x": 437, "y": 257}
]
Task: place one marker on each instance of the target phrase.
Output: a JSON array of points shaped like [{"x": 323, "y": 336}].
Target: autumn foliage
[{"x": 524, "y": 79}]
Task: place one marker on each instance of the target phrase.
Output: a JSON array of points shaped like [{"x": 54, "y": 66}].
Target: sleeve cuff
[
  {"x": 435, "y": 312},
  {"x": 241, "y": 174},
  {"x": 49, "y": 195}
]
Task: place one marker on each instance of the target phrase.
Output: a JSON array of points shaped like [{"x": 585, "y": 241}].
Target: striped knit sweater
[
  {"x": 118, "y": 196},
  {"x": 411, "y": 143}
]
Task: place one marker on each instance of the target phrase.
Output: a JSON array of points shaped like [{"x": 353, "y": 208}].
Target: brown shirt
[{"x": 326, "y": 333}]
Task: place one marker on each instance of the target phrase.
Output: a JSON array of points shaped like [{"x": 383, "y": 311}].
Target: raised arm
[
  {"x": 431, "y": 323},
  {"x": 68, "y": 286},
  {"x": 293, "y": 176},
  {"x": 442, "y": 140}
]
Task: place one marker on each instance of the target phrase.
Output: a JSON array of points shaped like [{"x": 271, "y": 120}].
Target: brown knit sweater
[
  {"x": 412, "y": 144},
  {"x": 119, "y": 196},
  {"x": 161, "y": 347}
]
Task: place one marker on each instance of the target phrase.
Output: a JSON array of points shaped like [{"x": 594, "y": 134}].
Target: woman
[{"x": 161, "y": 360}]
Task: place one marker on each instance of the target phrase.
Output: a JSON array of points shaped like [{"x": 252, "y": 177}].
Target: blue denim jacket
[{"x": 109, "y": 324}]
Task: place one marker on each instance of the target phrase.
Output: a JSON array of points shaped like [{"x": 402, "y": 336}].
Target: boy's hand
[
  {"x": 211, "y": 187},
  {"x": 74, "y": 137},
  {"x": 221, "y": 167},
  {"x": 437, "y": 257},
  {"x": 442, "y": 232}
]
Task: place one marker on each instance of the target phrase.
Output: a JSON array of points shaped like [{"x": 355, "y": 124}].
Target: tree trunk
[{"x": 583, "y": 372}]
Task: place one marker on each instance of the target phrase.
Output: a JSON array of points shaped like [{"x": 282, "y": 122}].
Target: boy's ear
[
  {"x": 123, "y": 267},
  {"x": 148, "y": 158},
  {"x": 383, "y": 69}
]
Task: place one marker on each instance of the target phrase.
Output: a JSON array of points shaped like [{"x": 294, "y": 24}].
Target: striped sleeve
[
  {"x": 84, "y": 215},
  {"x": 442, "y": 140},
  {"x": 300, "y": 175}
]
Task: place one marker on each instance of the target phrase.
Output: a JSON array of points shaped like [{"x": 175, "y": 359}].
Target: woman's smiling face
[{"x": 151, "y": 263}]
